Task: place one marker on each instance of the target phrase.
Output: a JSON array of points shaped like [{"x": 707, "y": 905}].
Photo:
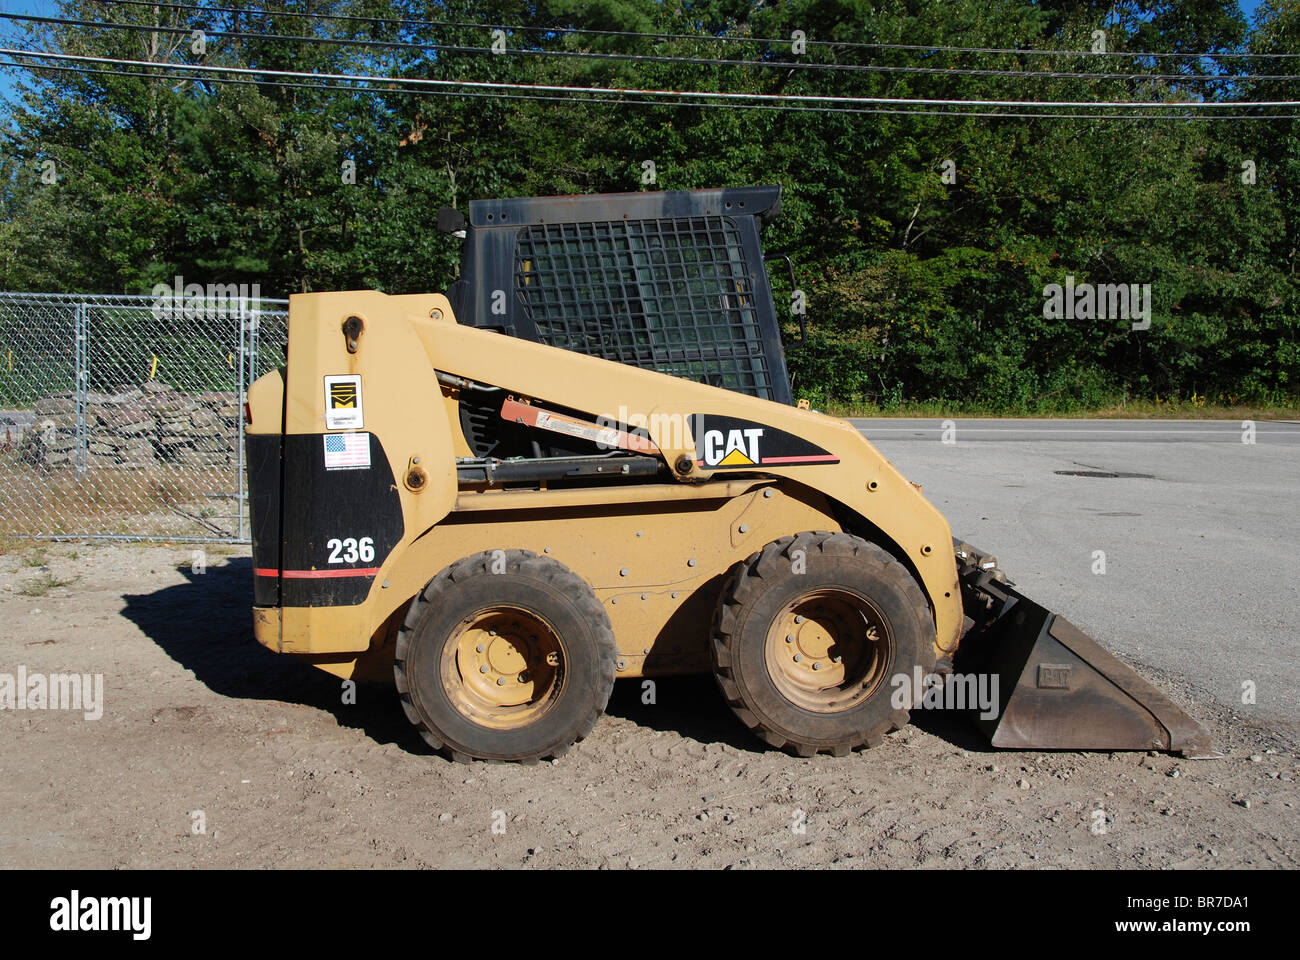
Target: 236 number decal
[{"x": 351, "y": 550}]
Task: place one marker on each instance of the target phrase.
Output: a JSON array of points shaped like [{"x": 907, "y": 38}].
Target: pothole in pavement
[
  {"x": 1105, "y": 474},
  {"x": 1091, "y": 470}
]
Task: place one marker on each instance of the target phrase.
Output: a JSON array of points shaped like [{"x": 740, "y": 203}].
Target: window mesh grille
[{"x": 670, "y": 294}]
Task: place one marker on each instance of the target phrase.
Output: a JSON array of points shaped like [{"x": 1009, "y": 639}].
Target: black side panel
[
  {"x": 728, "y": 443},
  {"x": 333, "y": 520},
  {"x": 263, "y": 451}
]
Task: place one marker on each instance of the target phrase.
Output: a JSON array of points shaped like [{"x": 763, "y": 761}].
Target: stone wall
[{"x": 135, "y": 427}]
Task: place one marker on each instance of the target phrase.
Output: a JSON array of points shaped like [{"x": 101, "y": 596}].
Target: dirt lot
[{"x": 198, "y": 718}]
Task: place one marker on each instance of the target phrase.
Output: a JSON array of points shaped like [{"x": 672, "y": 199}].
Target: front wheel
[{"x": 810, "y": 636}]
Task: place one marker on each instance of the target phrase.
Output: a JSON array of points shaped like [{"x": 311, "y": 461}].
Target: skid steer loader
[{"x": 583, "y": 465}]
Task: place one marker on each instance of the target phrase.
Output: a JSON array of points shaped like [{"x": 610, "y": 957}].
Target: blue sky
[{"x": 39, "y": 7}]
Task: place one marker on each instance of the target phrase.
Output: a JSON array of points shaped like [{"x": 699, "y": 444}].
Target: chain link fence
[{"x": 121, "y": 417}]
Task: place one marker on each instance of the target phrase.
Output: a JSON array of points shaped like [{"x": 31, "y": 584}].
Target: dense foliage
[{"x": 917, "y": 287}]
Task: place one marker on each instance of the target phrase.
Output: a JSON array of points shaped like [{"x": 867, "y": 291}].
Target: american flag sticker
[{"x": 347, "y": 451}]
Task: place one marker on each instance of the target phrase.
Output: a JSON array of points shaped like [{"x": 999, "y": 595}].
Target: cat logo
[
  {"x": 730, "y": 443},
  {"x": 734, "y": 448}
]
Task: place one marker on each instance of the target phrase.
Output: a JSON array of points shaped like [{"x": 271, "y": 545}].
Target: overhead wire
[
  {"x": 728, "y": 96},
  {"x": 370, "y": 43},
  {"x": 610, "y": 101}
]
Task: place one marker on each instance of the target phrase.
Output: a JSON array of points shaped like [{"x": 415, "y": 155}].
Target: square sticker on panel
[{"x": 343, "y": 402}]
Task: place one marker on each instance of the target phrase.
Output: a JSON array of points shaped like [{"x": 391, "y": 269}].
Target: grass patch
[
  {"x": 43, "y": 583},
  {"x": 223, "y": 549},
  {"x": 158, "y": 501},
  {"x": 36, "y": 557},
  {"x": 1120, "y": 410}
]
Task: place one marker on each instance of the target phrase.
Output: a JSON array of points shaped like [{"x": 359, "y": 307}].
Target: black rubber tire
[
  {"x": 538, "y": 584},
  {"x": 759, "y": 588}
]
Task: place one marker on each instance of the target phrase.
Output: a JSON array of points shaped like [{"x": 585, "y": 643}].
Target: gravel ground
[{"x": 202, "y": 727}]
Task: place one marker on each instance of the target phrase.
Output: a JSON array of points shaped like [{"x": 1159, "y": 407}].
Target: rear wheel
[
  {"x": 809, "y": 638},
  {"x": 505, "y": 655}
]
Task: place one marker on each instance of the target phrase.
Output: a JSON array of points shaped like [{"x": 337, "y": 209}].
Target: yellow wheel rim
[
  {"x": 827, "y": 651},
  {"x": 503, "y": 667}
]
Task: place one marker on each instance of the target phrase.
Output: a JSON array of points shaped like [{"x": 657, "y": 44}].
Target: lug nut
[
  {"x": 789, "y": 638},
  {"x": 798, "y": 619},
  {"x": 798, "y": 657},
  {"x": 481, "y": 647},
  {"x": 817, "y": 665},
  {"x": 483, "y": 669},
  {"x": 501, "y": 681}
]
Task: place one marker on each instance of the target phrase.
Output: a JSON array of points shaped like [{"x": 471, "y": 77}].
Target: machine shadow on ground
[
  {"x": 690, "y": 706},
  {"x": 205, "y": 626},
  {"x": 953, "y": 727}
]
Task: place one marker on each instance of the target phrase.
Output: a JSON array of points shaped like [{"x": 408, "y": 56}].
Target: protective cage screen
[{"x": 672, "y": 295}]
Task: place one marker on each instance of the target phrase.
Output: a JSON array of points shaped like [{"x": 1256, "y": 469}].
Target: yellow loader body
[
  {"x": 498, "y": 516},
  {"x": 654, "y": 553}
]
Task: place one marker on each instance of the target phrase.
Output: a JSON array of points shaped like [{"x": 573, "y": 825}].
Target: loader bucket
[{"x": 1059, "y": 689}]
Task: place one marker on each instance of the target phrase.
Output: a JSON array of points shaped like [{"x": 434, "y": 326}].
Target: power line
[
  {"x": 646, "y": 58},
  {"x": 782, "y": 41},
  {"x": 728, "y": 96},
  {"x": 667, "y": 106},
  {"x": 617, "y": 102},
  {"x": 319, "y": 86}
]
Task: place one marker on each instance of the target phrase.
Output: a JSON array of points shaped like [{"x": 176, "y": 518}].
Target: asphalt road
[{"x": 1201, "y": 536}]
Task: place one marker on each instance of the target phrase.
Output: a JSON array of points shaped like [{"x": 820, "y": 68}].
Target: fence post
[
  {"x": 240, "y": 398},
  {"x": 254, "y": 323},
  {"x": 254, "y": 314},
  {"x": 81, "y": 377}
]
